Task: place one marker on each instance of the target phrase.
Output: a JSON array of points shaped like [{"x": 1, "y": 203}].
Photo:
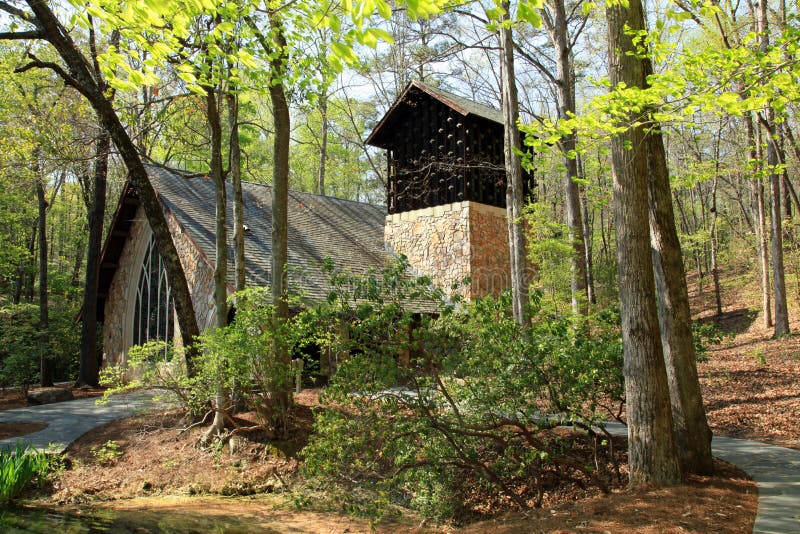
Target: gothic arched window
[{"x": 154, "y": 310}]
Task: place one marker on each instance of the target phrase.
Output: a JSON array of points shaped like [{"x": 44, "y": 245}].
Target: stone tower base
[{"x": 454, "y": 242}]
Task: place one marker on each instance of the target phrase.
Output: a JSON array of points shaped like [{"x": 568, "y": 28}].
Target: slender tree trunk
[
  {"x": 280, "y": 206},
  {"x": 514, "y": 191},
  {"x": 778, "y": 273},
  {"x": 652, "y": 453},
  {"x": 236, "y": 184},
  {"x": 88, "y": 374},
  {"x": 587, "y": 247},
  {"x": 754, "y": 149},
  {"x": 221, "y": 248},
  {"x": 323, "y": 147},
  {"x": 715, "y": 244},
  {"x": 786, "y": 187},
  {"x": 566, "y": 96},
  {"x": 46, "y": 364},
  {"x": 221, "y": 229}
]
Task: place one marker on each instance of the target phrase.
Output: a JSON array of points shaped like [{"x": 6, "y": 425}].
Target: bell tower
[{"x": 446, "y": 189}]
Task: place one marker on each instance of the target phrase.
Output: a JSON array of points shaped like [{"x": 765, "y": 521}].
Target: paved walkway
[
  {"x": 776, "y": 470},
  {"x": 69, "y": 420}
]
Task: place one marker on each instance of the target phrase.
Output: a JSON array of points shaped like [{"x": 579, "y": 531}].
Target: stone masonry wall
[
  {"x": 435, "y": 241},
  {"x": 491, "y": 269},
  {"x": 200, "y": 277},
  {"x": 452, "y": 242},
  {"x": 116, "y": 302}
]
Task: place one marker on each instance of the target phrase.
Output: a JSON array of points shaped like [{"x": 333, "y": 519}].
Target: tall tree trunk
[
  {"x": 514, "y": 190},
  {"x": 236, "y": 185},
  {"x": 221, "y": 246},
  {"x": 587, "y": 235},
  {"x": 652, "y": 453},
  {"x": 778, "y": 273},
  {"x": 760, "y": 217},
  {"x": 280, "y": 206},
  {"x": 221, "y": 229},
  {"x": 713, "y": 234},
  {"x": 565, "y": 85},
  {"x": 786, "y": 186},
  {"x": 715, "y": 243},
  {"x": 692, "y": 434},
  {"x": 88, "y": 374},
  {"x": 80, "y": 77},
  {"x": 323, "y": 145},
  {"x": 45, "y": 362}
]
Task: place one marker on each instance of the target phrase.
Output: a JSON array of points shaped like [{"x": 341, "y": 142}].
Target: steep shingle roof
[
  {"x": 320, "y": 227},
  {"x": 383, "y": 131}
]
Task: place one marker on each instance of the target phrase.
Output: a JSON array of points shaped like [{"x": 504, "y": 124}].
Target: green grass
[{"x": 18, "y": 468}]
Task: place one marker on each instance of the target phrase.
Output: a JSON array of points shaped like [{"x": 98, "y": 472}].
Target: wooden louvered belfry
[{"x": 441, "y": 149}]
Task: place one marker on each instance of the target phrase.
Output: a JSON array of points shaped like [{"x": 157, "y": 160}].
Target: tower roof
[{"x": 384, "y": 131}]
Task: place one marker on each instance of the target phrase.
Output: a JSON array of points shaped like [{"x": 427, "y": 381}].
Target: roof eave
[{"x": 375, "y": 138}]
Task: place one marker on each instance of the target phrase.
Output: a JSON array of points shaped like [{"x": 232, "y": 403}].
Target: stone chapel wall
[{"x": 199, "y": 274}]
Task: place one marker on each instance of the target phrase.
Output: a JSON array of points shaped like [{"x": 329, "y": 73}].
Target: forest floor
[
  {"x": 751, "y": 386},
  {"x": 149, "y": 464},
  {"x": 750, "y": 381}
]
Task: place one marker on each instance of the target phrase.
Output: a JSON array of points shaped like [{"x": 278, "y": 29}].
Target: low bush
[
  {"x": 425, "y": 402},
  {"x": 154, "y": 365},
  {"x": 239, "y": 360}
]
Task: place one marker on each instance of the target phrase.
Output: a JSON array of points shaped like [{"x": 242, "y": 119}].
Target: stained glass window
[{"x": 153, "y": 311}]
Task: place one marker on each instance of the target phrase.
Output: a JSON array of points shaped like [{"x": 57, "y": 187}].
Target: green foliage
[
  {"x": 239, "y": 357},
  {"x": 154, "y": 365},
  {"x": 550, "y": 250},
  {"x": 425, "y": 408},
  {"x": 18, "y": 467},
  {"x": 705, "y": 336},
  {"x": 106, "y": 453},
  {"x": 242, "y": 356},
  {"x": 21, "y": 348}
]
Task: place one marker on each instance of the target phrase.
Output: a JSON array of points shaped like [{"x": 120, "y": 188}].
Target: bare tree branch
[
  {"x": 21, "y": 36},
  {"x": 37, "y": 63},
  {"x": 17, "y": 12}
]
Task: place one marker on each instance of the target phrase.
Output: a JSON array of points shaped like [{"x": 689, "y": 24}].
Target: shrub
[
  {"x": 242, "y": 358},
  {"x": 238, "y": 359},
  {"x": 18, "y": 468},
  {"x": 106, "y": 453},
  {"x": 153, "y": 365},
  {"x": 464, "y": 395},
  {"x": 21, "y": 349},
  {"x": 704, "y": 337}
]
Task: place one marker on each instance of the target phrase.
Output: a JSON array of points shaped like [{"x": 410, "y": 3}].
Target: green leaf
[
  {"x": 384, "y": 9},
  {"x": 344, "y": 52},
  {"x": 527, "y": 13}
]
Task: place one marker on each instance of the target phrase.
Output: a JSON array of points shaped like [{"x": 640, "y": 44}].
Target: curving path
[
  {"x": 776, "y": 470},
  {"x": 69, "y": 420}
]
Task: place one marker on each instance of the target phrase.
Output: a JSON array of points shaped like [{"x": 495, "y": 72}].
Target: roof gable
[{"x": 384, "y": 131}]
